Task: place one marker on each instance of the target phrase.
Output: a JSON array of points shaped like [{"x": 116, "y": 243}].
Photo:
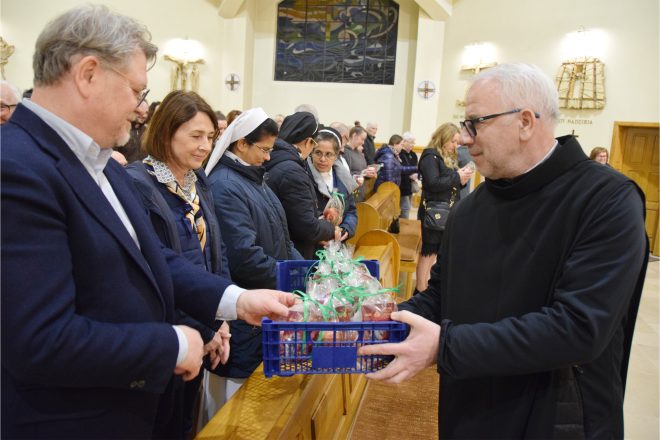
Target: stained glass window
[{"x": 337, "y": 41}]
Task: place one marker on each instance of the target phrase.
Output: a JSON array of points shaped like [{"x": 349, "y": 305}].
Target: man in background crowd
[
  {"x": 9, "y": 99},
  {"x": 369, "y": 145}
]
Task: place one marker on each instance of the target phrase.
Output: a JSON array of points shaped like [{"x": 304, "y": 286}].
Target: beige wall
[
  {"x": 244, "y": 45},
  {"x": 533, "y": 32},
  {"x": 384, "y": 104},
  {"x": 22, "y": 21},
  {"x": 521, "y": 30}
]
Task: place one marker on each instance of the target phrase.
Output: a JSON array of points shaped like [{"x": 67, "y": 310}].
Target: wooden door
[{"x": 636, "y": 153}]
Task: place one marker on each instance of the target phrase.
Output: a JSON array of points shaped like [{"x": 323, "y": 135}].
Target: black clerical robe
[{"x": 537, "y": 289}]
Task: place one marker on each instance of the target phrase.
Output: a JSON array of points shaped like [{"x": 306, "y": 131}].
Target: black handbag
[{"x": 436, "y": 212}]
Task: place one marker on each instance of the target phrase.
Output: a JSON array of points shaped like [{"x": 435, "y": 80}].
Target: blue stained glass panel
[{"x": 349, "y": 41}]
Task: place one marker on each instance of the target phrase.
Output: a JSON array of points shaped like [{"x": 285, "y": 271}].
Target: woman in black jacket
[
  {"x": 289, "y": 177},
  {"x": 441, "y": 181}
]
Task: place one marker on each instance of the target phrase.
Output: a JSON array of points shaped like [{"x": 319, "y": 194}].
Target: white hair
[
  {"x": 524, "y": 85},
  {"x": 408, "y": 136},
  {"x": 308, "y": 108},
  {"x": 372, "y": 124},
  {"x": 11, "y": 89}
]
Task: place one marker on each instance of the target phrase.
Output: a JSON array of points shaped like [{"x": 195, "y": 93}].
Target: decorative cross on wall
[
  {"x": 426, "y": 89},
  {"x": 233, "y": 81}
]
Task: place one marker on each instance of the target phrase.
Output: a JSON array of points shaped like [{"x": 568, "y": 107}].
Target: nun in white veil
[{"x": 255, "y": 235}]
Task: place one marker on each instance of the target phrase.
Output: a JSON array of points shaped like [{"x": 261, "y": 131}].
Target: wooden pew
[
  {"x": 305, "y": 407},
  {"x": 377, "y": 213},
  {"x": 382, "y": 246}
]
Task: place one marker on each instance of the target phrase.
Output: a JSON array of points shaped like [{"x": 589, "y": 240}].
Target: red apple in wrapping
[
  {"x": 378, "y": 308},
  {"x": 332, "y": 215},
  {"x": 297, "y": 343}
]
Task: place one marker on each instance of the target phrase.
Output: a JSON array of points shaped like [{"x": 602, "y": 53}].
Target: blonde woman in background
[{"x": 441, "y": 177}]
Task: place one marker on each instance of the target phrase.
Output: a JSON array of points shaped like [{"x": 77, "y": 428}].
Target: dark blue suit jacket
[{"x": 87, "y": 347}]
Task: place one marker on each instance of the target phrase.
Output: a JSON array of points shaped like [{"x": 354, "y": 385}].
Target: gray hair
[
  {"x": 408, "y": 136},
  {"x": 308, "y": 108},
  {"x": 372, "y": 124},
  {"x": 340, "y": 127},
  {"x": 12, "y": 89},
  {"x": 88, "y": 30},
  {"x": 524, "y": 85}
]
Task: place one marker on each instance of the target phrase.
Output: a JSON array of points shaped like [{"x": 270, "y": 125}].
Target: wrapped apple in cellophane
[
  {"x": 299, "y": 342},
  {"x": 339, "y": 290},
  {"x": 377, "y": 307},
  {"x": 344, "y": 310},
  {"x": 334, "y": 209}
]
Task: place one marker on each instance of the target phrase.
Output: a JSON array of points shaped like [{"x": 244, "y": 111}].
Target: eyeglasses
[
  {"x": 320, "y": 154},
  {"x": 315, "y": 144},
  {"x": 7, "y": 107},
  {"x": 470, "y": 124},
  {"x": 140, "y": 95},
  {"x": 265, "y": 150}
]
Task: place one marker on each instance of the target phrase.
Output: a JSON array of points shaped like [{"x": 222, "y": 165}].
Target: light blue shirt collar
[{"x": 92, "y": 156}]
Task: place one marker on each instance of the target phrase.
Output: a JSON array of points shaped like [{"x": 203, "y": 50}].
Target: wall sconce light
[
  {"x": 186, "y": 55},
  {"x": 478, "y": 56},
  {"x": 583, "y": 44}
]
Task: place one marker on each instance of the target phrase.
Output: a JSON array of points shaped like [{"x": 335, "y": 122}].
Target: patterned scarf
[{"x": 187, "y": 193}]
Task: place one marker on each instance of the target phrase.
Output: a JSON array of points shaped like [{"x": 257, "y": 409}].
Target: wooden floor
[
  {"x": 404, "y": 411},
  {"x": 641, "y": 407}
]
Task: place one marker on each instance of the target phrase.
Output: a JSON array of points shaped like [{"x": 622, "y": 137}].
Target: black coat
[
  {"x": 438, "y": 180},
  {"x": 536, "y": 290},
  {"x": 288, "y": 177},
  {"x": 407, "y": 159},
  {"x": 369, "y": 148}
]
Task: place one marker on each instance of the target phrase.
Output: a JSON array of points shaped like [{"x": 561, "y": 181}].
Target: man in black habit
[{"x": 530, "y": 309}]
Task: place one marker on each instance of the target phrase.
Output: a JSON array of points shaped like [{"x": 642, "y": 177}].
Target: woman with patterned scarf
[{"x": 173, "y": 188}]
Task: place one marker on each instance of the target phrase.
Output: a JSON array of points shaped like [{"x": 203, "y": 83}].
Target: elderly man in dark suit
[{"x": 88, "y": 292}]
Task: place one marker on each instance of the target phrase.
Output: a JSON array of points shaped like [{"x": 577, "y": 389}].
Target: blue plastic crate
[
  {"x": 290, "y": 275},
  {"x": 325, "y": 347},
  {"x": 322, "y": 347}
]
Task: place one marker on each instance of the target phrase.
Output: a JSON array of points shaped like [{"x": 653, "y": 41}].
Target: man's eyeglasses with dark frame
[
  {"x": 470, "y": 124},
  {"x": 141, "y": 96},
  {"x": 7, "y": 107}
]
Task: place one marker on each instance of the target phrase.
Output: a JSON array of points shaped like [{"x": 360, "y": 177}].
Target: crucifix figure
[
  {"x": 185, "y": 73},
  {"x": 479, "y": 66},
  {"x": 232, "y": 81},
  {"x": 6, "y": 50}
]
